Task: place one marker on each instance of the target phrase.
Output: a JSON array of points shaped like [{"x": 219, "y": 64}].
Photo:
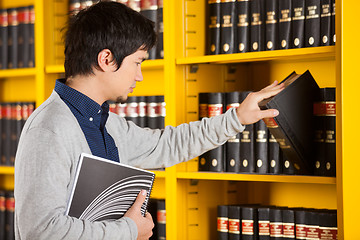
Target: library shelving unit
[{"x": 191, "y": 196}]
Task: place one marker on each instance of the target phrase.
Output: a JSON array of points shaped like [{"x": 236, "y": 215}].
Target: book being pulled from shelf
[{"x": 105, "y": 189}]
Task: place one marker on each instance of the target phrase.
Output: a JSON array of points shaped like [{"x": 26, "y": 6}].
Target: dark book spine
[
  {"x": 26, "y": 110},
  {"x": 142, "y": 111},
  {"x": 274, "y": 155},
  {"x": 2, "y": 214},
  {"x": 16, "y": 125},
  {"x": 132, "y": 110},
  {"x": 204, "y": 161},
  {"x": 285, "y": 14},
  {"x": 234, "y": 222},
  {"x": 312, "y": 224},
  {"x": 216, "y": 155},
  {"x": 298, "y": 23},
  {"x": 249, "y": 226},
  {"x": 228, "y": 26},
  {"x": 312, "y": 23},
  {"x": 328, "y": 225},
  {"x": 13, "y": 38},
  {"x": 288, "y": 167},
  {"x": 23, "y": 37},
  {"x": 271, "y": 24},
  {"x": 148, "y": 8},
  {"x": 3, "y": 38},
  {"x": 2, "y": 134},
  {"x": 160, "y": 31},
  {"x": 319, "y": 134},
  {"x": 7, "y": 130},
  {"x": 152, "y": 209},
  {"x": 330, "y": 132},
  {"x": 333, "y": 34},
  {"x": 300, "y": 224},
  {"x": 31, "y": 62},
  {"x": 325, "y": 22},
  {"x": 261, "y": 147},
  {"x": 156, "y": 112},
  {"x": 74, "y": 6},
  {"x": 288, "y": 223},
  {"x": 257, "y": 29},
  {"x": 276, "y": 224},
  {"x": 247, "y": 145},
  {"x": 243, "y": 26},
  {"x": 214, "y": 27},
  {"x": 9, "y": 216},
  {"x": 264, "y": 223},
  {"x": 222, "y": 222},
  {"x": 232, "y": 146},
  {"x": 161, "y": 219}
]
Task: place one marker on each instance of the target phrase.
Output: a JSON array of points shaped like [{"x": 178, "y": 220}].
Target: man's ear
[{"x": 105, "y": 60}]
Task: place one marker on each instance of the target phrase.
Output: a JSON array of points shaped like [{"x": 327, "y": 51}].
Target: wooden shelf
[
  {"x": 256, "y": 177},
  {"x": 277, "y": 55},
  {"x": 4, "y": 170},
  {"x": 18, "y": 72}
]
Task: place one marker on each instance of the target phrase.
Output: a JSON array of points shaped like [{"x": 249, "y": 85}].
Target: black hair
[{"x": 105, "y": 25}]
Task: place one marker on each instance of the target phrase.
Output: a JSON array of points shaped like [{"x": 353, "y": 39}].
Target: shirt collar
[{"x": 87, "y": 107}]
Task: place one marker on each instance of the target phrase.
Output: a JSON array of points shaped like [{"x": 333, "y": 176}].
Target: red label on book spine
[
  {"x": 222, "y": 224},
  {"x": 233, "y": 105},
  {"x": 215, "y": 109},
  {"x": 300, "y": 231},
  {"x": 4, "y": 19},
  {"x": 203, "y": 110},
  {"x": 161, "y": 216},
  {"x": 330, "y": 109},
  {"x": 10, "y": 204},
  {"x": 276, "y": 229},
  {"x": 264, "y": 228},
  {"x": 270, "y": 122},
  {"x": 2, "y": 204},
  {"x": 234, "y": 226},
  {"x": 312, "y": 232},
  {"x": 328, "y": 233},
  {"x": 247, "y": 227},
  {"x": 288, "y": 230}
]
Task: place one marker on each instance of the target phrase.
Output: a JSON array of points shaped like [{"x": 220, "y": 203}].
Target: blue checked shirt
[{"x": 92, "y": 118}]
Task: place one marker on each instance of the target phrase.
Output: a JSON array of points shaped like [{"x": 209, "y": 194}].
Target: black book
[
  {"x": 31, "y": 62},
  {"x": 275, "y": 167},
  {"x": 132, "y": 109},
  {"x": 328, "y": 224},
  {"x": 141, "y": 111},
  {"x": 9, "y": 216},
  {"x": 234, "y": 214},
  {"x": 261, "y": 147},
  {"x": 2, "y": 214},
  {"x": 227, "y": 26},
  {"x": 214, "y": 27},
  {"x": 325, "y": 22},
  {"x": 285, "y": 14},
  {"x": 271, "y": 24},
  {"x": 293, "y": 127},
  {"x": 160, "y": 31},
  {"x": 319, "y": 134},
  {"x": 312, "y": 224},
  {"x": 161, "y": 219},
  {"x": 276, "y": 223},
  {"x": 247, "y": 145},
  {"x": 155, "y": 112},
  {"x": 3, "y": 38},
  {"x": 332, "y": 32},
  {"x": 222, "y": 222},
  {"x": 148, "y": 8},
  {"x": 216, "y": 155},
  {"x": 204, "y": 161},
  {"x": 152, "y": 209},
  {"x": 312, "y": 23},
  {"x": 257, "y": 29},
  {"x": 16, "y": 127},
  {"x": 264, "y": 223},
  {"x": 105, "y": 190},
  {"x": 249, "y": 226},
  {"x": 6, "y": 135},
  {"x": 23, "y": 37},
  {"x": 300, "y": 223},
  {"x": 232, "y": 146},
  {"x": 330, "y": 132},
  {"x": 243, "y": 26},
  {"x": 288, "y": 167},
  {"x": 298, "y": 24},
  {"x": 13, "y": 38},
  {"x": 288, "y": 215}
]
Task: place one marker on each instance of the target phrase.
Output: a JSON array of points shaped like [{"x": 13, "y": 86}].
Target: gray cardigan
[{"x": 49, "y": 148}]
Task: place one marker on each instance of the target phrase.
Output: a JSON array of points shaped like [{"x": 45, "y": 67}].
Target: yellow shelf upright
[{"x": 39, "y": 52}]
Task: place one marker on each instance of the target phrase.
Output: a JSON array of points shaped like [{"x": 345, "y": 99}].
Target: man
[{"x": 104, "y": 48}]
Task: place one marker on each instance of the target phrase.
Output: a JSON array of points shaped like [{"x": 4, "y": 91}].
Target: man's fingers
[
  {"x": 269, "y": 92},
  {"x": 140, "y": 199},
  {"x": 269, "y": 113}
]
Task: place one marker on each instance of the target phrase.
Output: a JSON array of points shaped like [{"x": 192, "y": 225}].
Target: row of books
[
  {"x": 152, "y": 9},
  {"x": 257, "y": 150},
  {"x": 7, "y": 208},
  {"x": 12, "y": 119},
  {"x": 17, "y": 37},
  {"x": 156, "y": 207},
  {"x": 238, "y": 26},
  {"x": 144, "y": 111},
  {"x": 235, "y": 222}
]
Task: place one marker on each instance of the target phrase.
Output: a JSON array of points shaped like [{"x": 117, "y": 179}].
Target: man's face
[{"x": 123, "y": 81}]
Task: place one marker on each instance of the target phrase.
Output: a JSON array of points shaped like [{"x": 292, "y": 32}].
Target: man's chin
[{"x": 121, "y": 99}]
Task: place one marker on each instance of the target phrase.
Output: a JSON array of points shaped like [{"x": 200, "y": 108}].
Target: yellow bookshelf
[{"x": 191, "y": 196}]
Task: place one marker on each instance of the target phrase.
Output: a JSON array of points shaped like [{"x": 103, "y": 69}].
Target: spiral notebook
[{"x": 105, "y": 190}]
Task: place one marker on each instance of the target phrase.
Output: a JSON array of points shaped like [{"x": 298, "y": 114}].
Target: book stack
[
  {"x": 151, "y": 9},
  {"x": 17, "y": 37},
  {"x": 157, "y": 210},
  {"x": 12, "y": 119},
  {"x": 281, "y": 145},
  {"x": 275, "y": 222},
  {"x": 7, "y": 208},
  {"x": 238, "y": 26},
  {"x": 144, "y": 111}
]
